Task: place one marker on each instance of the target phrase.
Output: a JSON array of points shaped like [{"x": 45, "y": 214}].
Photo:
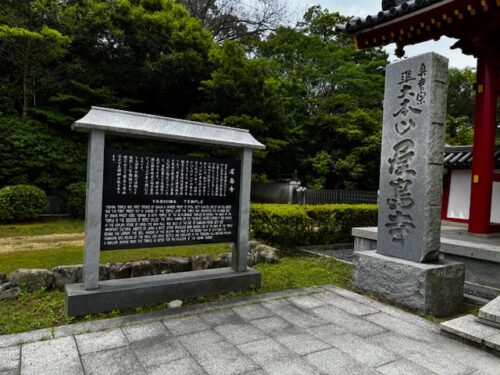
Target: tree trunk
[{"x": 25, "y": 94}]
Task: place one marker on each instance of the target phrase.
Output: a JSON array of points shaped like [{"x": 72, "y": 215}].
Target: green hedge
[
  {"x": 76, "y": 198},
  {"x": 21, "y": 202},
  {"x": 287, "y": 224}
]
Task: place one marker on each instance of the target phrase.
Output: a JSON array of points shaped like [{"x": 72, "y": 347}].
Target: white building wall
[
  {"x": 459, "y": 199},
  {"x": 495, "y": 204}
]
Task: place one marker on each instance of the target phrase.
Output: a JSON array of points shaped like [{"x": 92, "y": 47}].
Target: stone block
[
  {"x": 10, "y": 293},
  {"x": 32, "y": 279},
  {"x": 67, "y": 275},
  {"x": 179, "y": 264},
  {"x": 159, "y": 267},
  {"x": 5, "y": 286},
  {"x": 201, "y": 262},
  {"x": 428, "y": 288},
  {"x": 140, "y": 268},
  {"x": 223, "y": 260}
]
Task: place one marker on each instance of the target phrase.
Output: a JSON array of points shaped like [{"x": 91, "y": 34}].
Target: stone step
[
  {"x": 491, "y": 312},
  {"x": 468, "y": 329}
]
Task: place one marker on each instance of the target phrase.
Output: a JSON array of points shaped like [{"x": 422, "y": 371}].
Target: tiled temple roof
[
  {"x": 391, "y": 9},
  {"x": 460, "y": 157}
]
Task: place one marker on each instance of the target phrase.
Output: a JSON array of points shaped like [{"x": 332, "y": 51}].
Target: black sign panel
[{"x": 157, "y": 200}]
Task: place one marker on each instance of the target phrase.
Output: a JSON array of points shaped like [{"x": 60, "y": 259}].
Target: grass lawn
[{"x": 42, "y": 227}]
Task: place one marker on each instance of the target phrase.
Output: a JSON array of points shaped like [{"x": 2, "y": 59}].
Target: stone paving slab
[
  {"x": 318, "y": 330},
  {"x": 58, "y": 356}
]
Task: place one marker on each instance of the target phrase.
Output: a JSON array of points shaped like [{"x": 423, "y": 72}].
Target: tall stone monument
[{"x": 406, "y": 268}]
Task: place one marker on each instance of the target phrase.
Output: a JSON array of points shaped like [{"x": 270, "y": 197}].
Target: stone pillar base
[{"x": 428, "y": 288}]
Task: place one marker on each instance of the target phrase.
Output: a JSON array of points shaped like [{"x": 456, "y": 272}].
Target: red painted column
[{"x": 484, "y": 146}]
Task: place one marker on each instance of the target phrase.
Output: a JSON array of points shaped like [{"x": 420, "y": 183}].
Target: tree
[
  {"x": 30, "y": 46},
  {"x": 461, "y": 105},
  {"x": 334, "y": 94},
  {"x": 236, "y": 20}
]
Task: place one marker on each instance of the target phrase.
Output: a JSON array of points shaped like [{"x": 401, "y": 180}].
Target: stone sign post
[
  {"x": 139, "y": 200},
  {"x": 406, "y": 267}
]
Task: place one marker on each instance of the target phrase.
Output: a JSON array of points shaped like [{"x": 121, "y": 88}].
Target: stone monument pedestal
[{"x": 429, "y": 288}]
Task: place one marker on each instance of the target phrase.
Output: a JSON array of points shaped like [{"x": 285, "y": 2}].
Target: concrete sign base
[{"x": 150, "y": 290}]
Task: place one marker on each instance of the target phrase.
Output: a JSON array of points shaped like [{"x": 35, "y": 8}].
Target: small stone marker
[
  {"x": 411, "y": 167},
  {"x": 175, "y": 304}
]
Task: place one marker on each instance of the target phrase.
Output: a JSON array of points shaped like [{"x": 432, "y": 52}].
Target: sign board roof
[{"x": 126, "y": 123}]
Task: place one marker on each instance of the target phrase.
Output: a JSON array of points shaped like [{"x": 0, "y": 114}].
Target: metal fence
[{"x": 337, "y": 196}]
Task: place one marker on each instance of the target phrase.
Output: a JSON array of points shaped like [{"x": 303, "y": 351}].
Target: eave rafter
[{"x": 457, "y": 19}]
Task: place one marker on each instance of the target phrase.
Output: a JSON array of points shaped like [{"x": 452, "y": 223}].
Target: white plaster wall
[
  {"x": 459, "y": 201},
  {"x": 495, "y": 204}
]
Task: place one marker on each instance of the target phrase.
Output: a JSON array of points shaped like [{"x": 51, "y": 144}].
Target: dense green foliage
[
  {"x": 294, "y": 225},
  {"x": 305, "y": 92},
  {"x": 76, "y": 198},
  {"x": 21, "y": 202}
]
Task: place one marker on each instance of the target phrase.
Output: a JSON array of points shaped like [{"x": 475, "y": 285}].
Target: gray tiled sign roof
[
  {"x": 392, "y": 9},
  {"x": 142, "y": 125}
]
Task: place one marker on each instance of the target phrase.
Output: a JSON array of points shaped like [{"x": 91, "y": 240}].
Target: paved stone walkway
[{"x": 319, "y": 330}]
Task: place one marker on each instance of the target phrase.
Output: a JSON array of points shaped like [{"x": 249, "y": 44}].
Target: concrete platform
[
  {"x": 316, "y": 330},
  {"x": 150, "y": 290},
  {"x": 479, "y": 253}
]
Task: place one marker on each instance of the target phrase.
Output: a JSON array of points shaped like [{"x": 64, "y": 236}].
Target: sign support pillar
[
  {"x": 240, "y": 250},
  {"x": 93, "y": 209}
]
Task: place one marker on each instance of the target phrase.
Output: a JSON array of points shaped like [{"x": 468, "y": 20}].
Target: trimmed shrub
[
  {"x": 76, "y": 199},
  {"x": 21, "y": 202},
  {"x": 296, "y": 225}
]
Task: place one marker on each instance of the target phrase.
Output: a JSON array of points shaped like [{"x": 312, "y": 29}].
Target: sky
[{"x": 362, "y": 8}]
